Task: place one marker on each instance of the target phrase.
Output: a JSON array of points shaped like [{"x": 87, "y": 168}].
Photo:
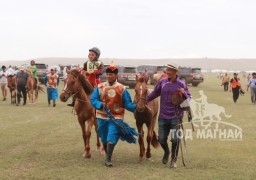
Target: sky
[{"x": 127, "y": 28}]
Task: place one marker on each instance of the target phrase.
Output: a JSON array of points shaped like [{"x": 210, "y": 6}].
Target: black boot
[
  {"x": 18, "y": 98},
  {"x": 110, "y": 149},
  {"x": 175, "y": 151},
  {"x": 105, "y": 147},
  {"x": 72, "y": 104},
  {"x": 166, "y": 153},
  {"x": 24, "y": 101}
]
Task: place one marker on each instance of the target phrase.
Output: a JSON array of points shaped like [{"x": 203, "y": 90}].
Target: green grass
[{"x": 41, "y": 142}]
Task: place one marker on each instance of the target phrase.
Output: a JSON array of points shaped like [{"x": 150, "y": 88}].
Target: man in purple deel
[{"x": 169, "y": 114}]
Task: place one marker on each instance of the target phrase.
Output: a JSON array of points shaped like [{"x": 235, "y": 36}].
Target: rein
[
  {"x": 74, "y": 94},
  {"x": 180, "y": 126},
  {"x": 142, "y": 98}
]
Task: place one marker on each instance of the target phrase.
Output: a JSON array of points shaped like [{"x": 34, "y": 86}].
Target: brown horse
[
  {"x": 12, "y": 85},
  {"x": 32, "y": 87},
  {"x": 146, "y": 113},
  {"x": 76, "y": 85}
]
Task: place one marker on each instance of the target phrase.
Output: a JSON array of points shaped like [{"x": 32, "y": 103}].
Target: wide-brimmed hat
[
  {"x": 172, "y": 66},
  {"x": 22, "y": 68}
]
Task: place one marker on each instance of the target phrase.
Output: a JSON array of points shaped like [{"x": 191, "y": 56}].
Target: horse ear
[
  {"x": 146, "y": 79},
  {"x": 78, "y": 68},
  {"x": 137, "y": 78}
]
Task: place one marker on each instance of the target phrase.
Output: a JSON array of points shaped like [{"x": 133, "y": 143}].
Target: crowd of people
[
  {"x": 21, "y": 75},
  {"x": 113, "y": 95},
  {"x": 234, "y": 85}
]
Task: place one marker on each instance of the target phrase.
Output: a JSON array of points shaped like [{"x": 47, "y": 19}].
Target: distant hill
[{"x": 204, "y": 63}]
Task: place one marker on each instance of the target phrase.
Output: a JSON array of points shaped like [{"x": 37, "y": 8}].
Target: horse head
[
  {"x": 12, "y": 85},
  {"x": 74, "y": 83},
  {"x": 12, "y": 82},
  {"x": 141, "y": 91}
]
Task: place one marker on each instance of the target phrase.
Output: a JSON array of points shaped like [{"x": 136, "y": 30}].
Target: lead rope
[
  {"x": 180, "y": 126},
  {"x": 74, "y": 96}
]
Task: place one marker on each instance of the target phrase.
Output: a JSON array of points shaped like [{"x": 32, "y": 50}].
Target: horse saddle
[
  {"x": 180, "y": 99},
  {"x": 177, "y": 98}
]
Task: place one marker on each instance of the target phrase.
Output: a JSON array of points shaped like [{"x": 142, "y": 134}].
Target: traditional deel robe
[
  {"x": 52, "y": 82},
  {"x": 117, "y": 99}
]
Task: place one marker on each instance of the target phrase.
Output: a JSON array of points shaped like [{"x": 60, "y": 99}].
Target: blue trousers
[{"x": 164, "y": 128}]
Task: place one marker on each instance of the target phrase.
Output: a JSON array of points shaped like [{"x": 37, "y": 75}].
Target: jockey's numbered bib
[{"x": 93, "y": 65}]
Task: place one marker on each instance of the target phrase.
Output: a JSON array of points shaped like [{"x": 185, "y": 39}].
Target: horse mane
[
  {"x": 87, "y": 86},
  {"x": 29, "y": 71},
  {"x": 141, "y": 79}
]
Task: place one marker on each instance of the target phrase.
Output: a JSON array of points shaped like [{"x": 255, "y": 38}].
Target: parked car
[
  {"x": 103, "y": 77},
  {"x": 41, "y": 71},
  {"x": 151, "y": 69},
  {"x": 190, "y": 75},
  {"x": 126, "y": 75},
  {"x": 60, "y": 71}
]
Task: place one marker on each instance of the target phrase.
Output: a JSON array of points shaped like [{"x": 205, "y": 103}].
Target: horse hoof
[
  {"x": 103, "y": 153},
  {"x": 87, "y": 156},
  {"x": 149, "y": 159}
]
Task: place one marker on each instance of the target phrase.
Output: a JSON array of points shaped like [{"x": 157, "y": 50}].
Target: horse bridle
[
  {"x": 72, "y": 94},
  {"x": 143, "y": 98}
]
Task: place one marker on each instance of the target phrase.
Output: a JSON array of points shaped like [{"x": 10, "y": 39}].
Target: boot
[
  {"x": 54, "y": 103},
  {"x": 72, "y": 104},
  {"x": 24, "y": 101},
  {"x": 166, "y": 153},
  {"x": 175, "y": 150},
  {"x": 110, "y": 149},
  {"x": 18, "y": 99},
  {"x": 105, "y": 147}
]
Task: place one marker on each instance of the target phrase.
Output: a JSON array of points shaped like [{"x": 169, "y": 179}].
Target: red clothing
[
  {"x": 235, "y": 82},
  {"x": 93, "y": 70}
]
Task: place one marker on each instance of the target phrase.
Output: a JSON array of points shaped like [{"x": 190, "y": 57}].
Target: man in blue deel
[{"x": 113, "y": 96}]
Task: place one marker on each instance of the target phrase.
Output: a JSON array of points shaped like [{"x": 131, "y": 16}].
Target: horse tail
[
  {"x": 40, "y": 89},
  {"x": 36, "y": 93},
  {"x": 154, "y": 141}
]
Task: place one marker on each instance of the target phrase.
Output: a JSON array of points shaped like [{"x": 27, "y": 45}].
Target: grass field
[{"x": 41, "y": 142}]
